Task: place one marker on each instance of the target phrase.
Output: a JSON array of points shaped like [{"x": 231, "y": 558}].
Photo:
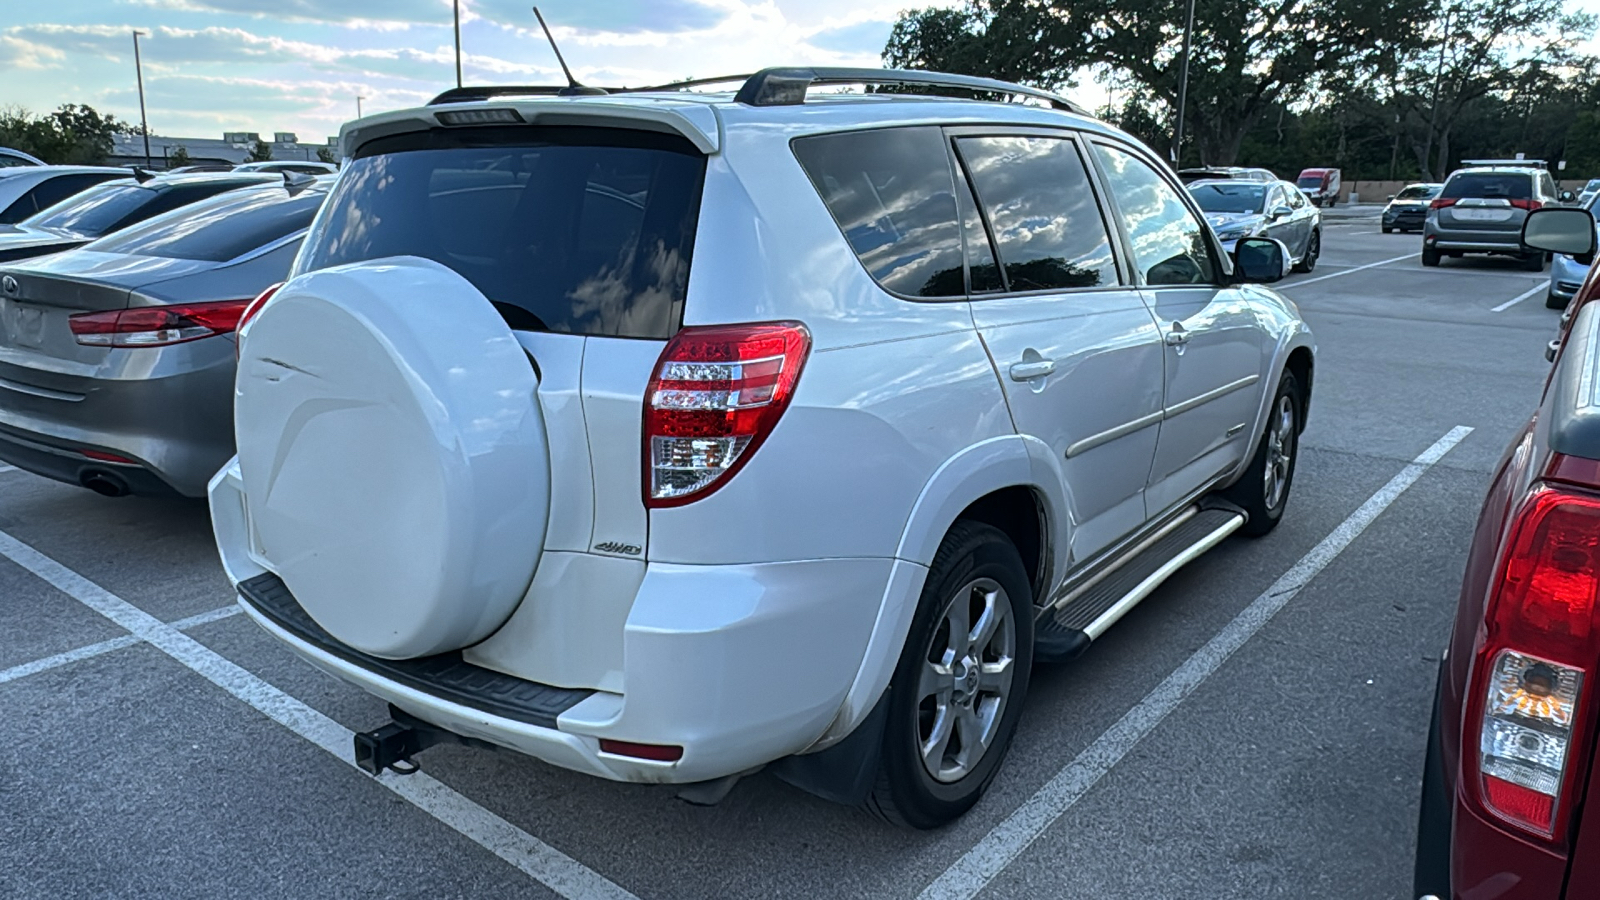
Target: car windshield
[
  {"x": 606, "y": 217},
  {"x": 1229, "y": 198},
  {"x": 1418, "y": 192},
  {"x": 224, "y": 227},
  {"x": 93, "y": 211},
  {"x": 1489, "y": 185},
  {"x": 1310, "y": 181}
]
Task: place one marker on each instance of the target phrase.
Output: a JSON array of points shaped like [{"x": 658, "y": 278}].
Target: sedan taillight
[
  {"x": 716, "y": 394},
  {"x": 157, "y": 326},
  {"x": 1533, "y": 662}
]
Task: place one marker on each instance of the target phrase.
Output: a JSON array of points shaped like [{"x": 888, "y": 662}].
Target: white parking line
[
  {"x": 117, "y": 643},
  {"x": 1348, "y": 271},
  {"x": 1519, "y": 298},
  {"x": 560, "y": 873},
  {"x": 978, "y": 866}
]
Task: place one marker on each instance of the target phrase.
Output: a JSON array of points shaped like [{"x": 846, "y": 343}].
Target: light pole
[
  {"x": 1183, "y": 86},
  {"x": 359, "y": 98},
  {"x": 144, "y": 122},
  {"x": 458, "y": 42}
]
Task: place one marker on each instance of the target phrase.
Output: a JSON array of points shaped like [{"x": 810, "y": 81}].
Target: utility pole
[
  {"x": 144, "y": 121},
  {"x": 1183, "y": 86},
  {"x": 458, "y": 42},
  {"x": 359, "y": 98},
  {"x": 1433, "y": 117}
]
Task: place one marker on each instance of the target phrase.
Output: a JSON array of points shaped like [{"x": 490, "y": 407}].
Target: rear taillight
[
  {"x": 1442, "y": 202},
  {"x": 1527, "y": 204},
  {"x": 716, "y": 393},
  {"x": 157, "y": 326},
  {"x": 1539, "y": 647}
]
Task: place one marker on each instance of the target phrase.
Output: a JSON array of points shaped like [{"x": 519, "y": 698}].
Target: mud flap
[{"x": 845, "y": 772}]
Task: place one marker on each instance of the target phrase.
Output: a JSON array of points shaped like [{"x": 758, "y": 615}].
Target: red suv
[{"x": 1512, "y": 746}]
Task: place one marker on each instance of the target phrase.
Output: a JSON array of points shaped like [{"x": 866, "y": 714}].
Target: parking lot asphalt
[{"x": 1254, "y": 729}]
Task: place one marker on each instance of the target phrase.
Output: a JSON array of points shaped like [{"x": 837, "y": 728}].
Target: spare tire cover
[{"x": 393, "y": 455}]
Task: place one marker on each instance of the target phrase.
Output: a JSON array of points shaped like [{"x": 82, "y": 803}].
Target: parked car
[
  {"x": 24, "y": 190},
  {"x": 303, "y": 168},
  {"x": 1277, "y": 210},
  {"x": 10, "y": 158},
  {"x": 780, "y": 481},
  {"x": 1481, "y": 209},
  {"x": 1229, "y": 173},
  {"x": 1408, "y": 210},
  {"x": 1511, "y": 748},
  {"x": 1567, "y": 274},
  {"x": 1321, "y": 185},
  {"x": 117, "y": 360},
  {"x": 110, "y": 206},
  {"x": 1589, "y": 192}
]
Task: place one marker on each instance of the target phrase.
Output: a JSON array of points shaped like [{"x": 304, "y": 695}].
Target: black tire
[
  {"x": 1430, "y": 256},
  {"x": 1252, "y": 492},
  {"x": 907, "y": 793},
  {"x": 1431, "y": 874},
  {"x": 1388, "y": 230},
  {"x": 1313, "y": 250},
  {"x": 1551, "y": 301},
  {"x": 1534, "y": 263}
]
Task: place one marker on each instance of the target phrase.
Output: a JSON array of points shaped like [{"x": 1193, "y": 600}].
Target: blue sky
[{"x": 298, "y": 65}]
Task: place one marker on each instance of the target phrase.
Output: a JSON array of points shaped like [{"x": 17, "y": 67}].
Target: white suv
[{"x": 667, "y": 435}]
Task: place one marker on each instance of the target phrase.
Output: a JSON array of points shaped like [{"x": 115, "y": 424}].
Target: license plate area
[
  {"x": 1483, "y": 215},
  {"x": 22, "y": 324}
]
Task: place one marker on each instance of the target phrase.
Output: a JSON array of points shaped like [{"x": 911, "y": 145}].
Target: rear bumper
[
  {"x": 73, "y": 467},
  {"x": 1474, "y": 240},
  {"x": 740, "y": 665}
]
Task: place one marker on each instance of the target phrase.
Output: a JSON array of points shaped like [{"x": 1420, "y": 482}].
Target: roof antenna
[{"x": 573, "y": 88}]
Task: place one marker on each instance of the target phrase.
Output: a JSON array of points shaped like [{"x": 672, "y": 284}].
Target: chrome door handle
[
  {"x": 1027, "y": 371},
  {"x": 1177, "y": 336}
]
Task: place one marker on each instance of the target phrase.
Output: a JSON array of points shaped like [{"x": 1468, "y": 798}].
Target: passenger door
[
  {"x": 1215, "y": 349},
  {"x": 1302, "y": 217},
  {"x": 1075, "y": 347}
]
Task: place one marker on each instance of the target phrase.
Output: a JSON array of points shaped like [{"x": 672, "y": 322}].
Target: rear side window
[
  {"x": 891, "y": 193},
  {"x": 574, "y": 230},
  {"x": 52, "y": 191},
  {"x": 1488, "y": 185},
  {"x": 95, "y": 210},
  {"x": 1042, "y": 212},
  {"x": 221, "y": 228}
]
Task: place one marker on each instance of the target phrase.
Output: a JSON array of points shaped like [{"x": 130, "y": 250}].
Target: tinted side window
[
  {"x": 1169, "y": 245},
  {"x": 891, "y": 193},
  {"x": 983, "y": 270},
  {"x": 179, "y": 196},
  {"x": 1036, "y": 195},
  {"x": 573, "y": 230},
  {"x": 221, "y": 228},
  {"x": 1297, "y": 200},
  {"x": 61, "y": 187}
]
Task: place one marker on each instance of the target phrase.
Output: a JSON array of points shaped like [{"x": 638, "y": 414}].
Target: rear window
[
  {"x": 574, "y": 230},
  {"x": 1488, "y": 185},
  {"x": 95, "y": 210},
  {"x": 221, "y": 228},
  {"x": 891, "y": 192}
]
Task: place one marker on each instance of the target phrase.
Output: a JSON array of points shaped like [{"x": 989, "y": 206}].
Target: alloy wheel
[
  {"x": 966, "y": 680},
  {"x": 1280, "y": 451}
]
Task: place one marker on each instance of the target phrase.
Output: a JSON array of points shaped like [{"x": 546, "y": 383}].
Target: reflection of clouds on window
[
  {"x": 1042, "y": 210},
  {"x": 1168, "y": 241},
  {"x": 890, "y": 191}
]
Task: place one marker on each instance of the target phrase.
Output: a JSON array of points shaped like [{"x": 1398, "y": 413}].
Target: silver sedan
[
  {"x": 117, "y": 359},
  {"x": 1278, "y": 210}
]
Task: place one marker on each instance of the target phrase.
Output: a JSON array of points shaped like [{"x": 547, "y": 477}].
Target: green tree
[
  {"x": 325, "y": 154},
  {"x": 178, "y": 157},
  {"x": 72, "y": 134},
  {"x": 260, "y": 151}
]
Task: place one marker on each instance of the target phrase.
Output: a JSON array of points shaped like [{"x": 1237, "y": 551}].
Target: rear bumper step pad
[
  {"x": 1067, "y": 630},
  {"x": 446, "y": 675}
]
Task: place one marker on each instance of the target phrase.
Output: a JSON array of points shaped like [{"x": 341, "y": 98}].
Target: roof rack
[
  {"x": 778, "y": 86},
  {"x": 1510, "y": 163},
  {"x": 787, "y": 86}
]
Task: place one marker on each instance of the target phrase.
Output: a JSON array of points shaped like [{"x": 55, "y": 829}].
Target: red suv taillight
[
  {"x": 1539, "y": 648},
  {"x": 1529, "y": 205},
  {"x": 156, "y": 326},
  {"x": 1442, "y": 202},
  {"x": 716, "y": 393}
]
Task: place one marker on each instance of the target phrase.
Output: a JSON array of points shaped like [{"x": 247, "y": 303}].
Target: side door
[
  {"x": 1075, "y": 347},
  {"x": 1215, "y": 348},
  {"x": 1303, "y": 218},
  {"x": 1283, "y": 227}
]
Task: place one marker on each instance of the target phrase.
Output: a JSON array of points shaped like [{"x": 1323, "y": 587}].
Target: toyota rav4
[{"x": 665, "y": 435}]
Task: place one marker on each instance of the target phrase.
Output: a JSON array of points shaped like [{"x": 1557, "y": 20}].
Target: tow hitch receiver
[{"x": 393, "y": 745}]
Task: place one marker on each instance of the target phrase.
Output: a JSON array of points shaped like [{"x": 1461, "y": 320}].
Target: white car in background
[{"x": 10, "y": 159}]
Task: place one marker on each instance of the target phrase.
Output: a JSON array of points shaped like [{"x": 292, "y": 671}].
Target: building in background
[{"x": 231, "y": 149}]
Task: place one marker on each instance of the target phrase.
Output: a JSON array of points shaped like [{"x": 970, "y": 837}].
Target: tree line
[
  {"x": 1384, "y": 89},
  {"x": 77, "y": 134}
]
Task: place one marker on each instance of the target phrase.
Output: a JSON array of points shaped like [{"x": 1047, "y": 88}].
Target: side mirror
[
  {"x": 1280, "y": 212},
  {"x": 1566, "y": 230},
  {"x": 1566, "y": 196},
  {"x": 1391, "y": 196},
  {"x": 1259, "y": 260}
]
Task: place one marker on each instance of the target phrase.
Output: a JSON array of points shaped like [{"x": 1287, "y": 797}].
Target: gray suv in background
[{"x": 1481, "y": 210}]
